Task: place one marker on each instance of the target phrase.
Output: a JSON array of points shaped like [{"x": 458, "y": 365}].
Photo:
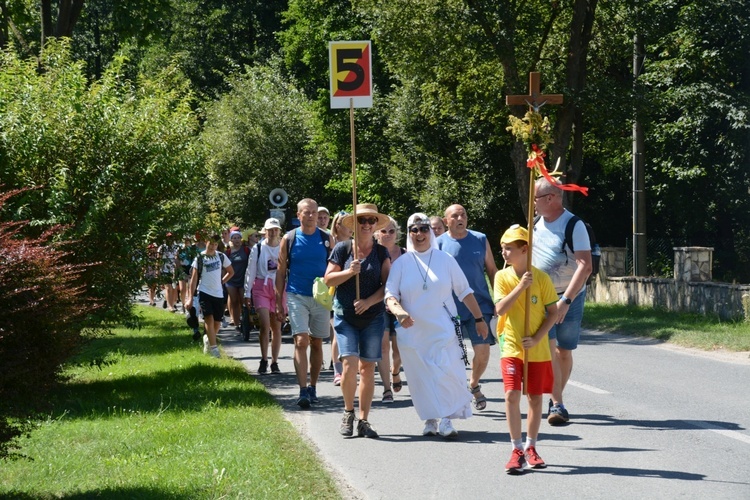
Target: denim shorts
[
  {"x": 365, "y": 343},
  {"x": 469, "y": 331},
  {"x": 568, "y": 332},
  {"x": 307, "y": 316}
]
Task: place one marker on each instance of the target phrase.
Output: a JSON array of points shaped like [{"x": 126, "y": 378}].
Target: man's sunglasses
[
  {"x": 419, "y": 229},
  {"x": 367, "y": 220}
]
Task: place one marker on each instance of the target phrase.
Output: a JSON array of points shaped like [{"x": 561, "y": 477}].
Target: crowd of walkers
[{"x": 413, "y": 308}]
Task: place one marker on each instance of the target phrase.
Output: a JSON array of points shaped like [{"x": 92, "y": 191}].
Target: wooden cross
[{"x": 534, "y": 99}]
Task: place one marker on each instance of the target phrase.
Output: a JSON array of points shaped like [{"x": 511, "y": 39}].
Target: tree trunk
[
  {"x": 3, "y": 24},
  {"x": 580, "y": 37},
  {"x": 67, "y": 17},
  {"x": 46, "y": 20}
]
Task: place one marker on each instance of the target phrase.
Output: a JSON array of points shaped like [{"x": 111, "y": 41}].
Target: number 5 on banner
[{"x": 351, "y": 74}]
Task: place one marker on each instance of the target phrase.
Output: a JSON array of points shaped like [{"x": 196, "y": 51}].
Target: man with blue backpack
[{"x": 303, "y": 256}]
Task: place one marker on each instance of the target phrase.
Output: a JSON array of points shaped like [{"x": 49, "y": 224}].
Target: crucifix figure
[{"x": 534, "y": 99}]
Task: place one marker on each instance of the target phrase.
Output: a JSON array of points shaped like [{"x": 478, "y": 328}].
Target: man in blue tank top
[
  {"x": 302, "y": 258},
  {"x": 474, "y": 256}
]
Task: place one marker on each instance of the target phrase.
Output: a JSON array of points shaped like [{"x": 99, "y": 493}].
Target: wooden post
[
  {"x": 535, "y": 101},
  {"x": 354, "y": 190}
]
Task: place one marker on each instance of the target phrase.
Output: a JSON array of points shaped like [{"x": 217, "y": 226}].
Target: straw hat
[{"x": 367, "y": 210}]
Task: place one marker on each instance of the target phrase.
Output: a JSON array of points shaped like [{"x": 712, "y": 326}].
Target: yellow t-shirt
[{"x": 542, "y": 294}]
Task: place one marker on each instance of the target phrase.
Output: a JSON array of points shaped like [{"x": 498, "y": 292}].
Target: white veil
[{"x": 421, "y": 219}]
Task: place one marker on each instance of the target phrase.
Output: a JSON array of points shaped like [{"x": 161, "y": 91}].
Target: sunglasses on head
[
  {"x": 367, "y": 220},
  {"x": 388, "y": 231},
  {"x": 419, "y": 229}
]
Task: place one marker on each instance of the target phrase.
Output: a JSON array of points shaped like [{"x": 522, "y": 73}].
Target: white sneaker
[
  {"x": 446, "y": 428},
  {"x": 205, "y": 344},
  {"x": 215, "y": 352},
  {"x": 430, "y": 427}
]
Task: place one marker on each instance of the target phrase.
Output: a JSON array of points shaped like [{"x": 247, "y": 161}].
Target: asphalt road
[{"x": 647, "y": 421}]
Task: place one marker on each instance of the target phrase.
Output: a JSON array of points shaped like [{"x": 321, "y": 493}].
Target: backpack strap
[
  {"x": 569, "y": 233},
  {"x": 291, "y": 237},
  {"x": 257, "y": 246}
]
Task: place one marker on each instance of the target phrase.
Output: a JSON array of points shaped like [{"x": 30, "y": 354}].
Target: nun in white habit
[{"x": 419, "y": 293}]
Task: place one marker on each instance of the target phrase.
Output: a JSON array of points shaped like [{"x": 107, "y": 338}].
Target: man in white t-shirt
[
  {"x": 569, "y": 272},
  {"x": 211, "y": 270}
]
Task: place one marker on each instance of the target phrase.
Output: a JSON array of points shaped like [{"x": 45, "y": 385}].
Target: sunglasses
[
  {"x": 388, "y": 231},
  {"x": 419, "y": 229},
  {"x": 367, "y": 220}
]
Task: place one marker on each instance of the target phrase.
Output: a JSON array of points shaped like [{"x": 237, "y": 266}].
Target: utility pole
[{"x": 639, "y": 194}]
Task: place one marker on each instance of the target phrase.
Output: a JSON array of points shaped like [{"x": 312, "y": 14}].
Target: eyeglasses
[
  {"x": 419, "y": 229},
  {"x": 542, "y": 196},
  {"x": 388, "y": 231},
  {"x": 367, "y": 220}
]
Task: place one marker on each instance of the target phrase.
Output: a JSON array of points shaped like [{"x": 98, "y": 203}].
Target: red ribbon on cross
[{"x": 536, "y": 159}]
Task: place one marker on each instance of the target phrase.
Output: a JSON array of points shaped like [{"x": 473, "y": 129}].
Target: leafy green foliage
[{"x": 108, "y": 157}]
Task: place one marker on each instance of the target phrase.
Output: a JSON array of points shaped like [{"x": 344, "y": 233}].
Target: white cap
[{"x": 272, "y": 223}]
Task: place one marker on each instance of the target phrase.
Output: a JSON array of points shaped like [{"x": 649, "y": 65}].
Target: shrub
[{"x": 44, "y": 314}]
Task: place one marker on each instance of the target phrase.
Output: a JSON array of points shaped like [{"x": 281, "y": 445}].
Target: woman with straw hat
[{"x": 359, "y": 270}]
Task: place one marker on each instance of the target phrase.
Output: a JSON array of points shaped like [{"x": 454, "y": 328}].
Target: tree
[
  {"x": 259, "y": 136},
  {"x": 107, "y": 158}
]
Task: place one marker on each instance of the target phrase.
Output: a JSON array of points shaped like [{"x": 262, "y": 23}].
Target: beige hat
[{"x": 367, "y": 210}]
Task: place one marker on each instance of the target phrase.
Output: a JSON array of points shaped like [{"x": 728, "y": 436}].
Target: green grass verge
[
  {"x": 687, "y": 330},
  {"x": 145, "y": 414}
]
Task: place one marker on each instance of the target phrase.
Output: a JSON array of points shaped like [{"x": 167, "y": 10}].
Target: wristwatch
[
  {"x": 479, "y": 319},
  {"x": 567, "y": 300}
]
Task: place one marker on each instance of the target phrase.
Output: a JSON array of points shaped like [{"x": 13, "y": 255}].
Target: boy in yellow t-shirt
[{"x": 511, "y": 286}]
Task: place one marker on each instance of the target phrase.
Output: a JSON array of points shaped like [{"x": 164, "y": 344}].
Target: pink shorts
[
  {"x": 264, "y": 295},
  {"x": 540, "y": 376}
]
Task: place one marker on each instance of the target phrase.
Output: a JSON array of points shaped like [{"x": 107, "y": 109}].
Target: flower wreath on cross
[{"x": 534, "y": 131}]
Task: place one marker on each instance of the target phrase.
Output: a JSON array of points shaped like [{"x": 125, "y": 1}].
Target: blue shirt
[
  {"x": 309, "y": 260},
  {"x": 469, "y": 252}
]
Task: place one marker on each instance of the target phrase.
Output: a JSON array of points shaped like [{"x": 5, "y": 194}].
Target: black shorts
[{"x": 212, "y": 306}]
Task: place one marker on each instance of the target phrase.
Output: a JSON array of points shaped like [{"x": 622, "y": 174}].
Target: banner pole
[{"x": 354, "y": 190}]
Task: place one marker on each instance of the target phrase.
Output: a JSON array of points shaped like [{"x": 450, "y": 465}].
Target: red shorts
[{"x": 540, "y": 376}]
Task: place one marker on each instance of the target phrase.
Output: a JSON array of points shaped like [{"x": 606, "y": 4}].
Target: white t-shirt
[
  {"x": 547, "y": 251},
  {"x": 210, "y": 278}
]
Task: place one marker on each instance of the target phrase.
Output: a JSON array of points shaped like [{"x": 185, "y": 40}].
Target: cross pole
[{"x": 535, "y": 101}]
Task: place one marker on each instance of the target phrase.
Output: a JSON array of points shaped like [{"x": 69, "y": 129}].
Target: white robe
[{"x": 429, "y": 349}]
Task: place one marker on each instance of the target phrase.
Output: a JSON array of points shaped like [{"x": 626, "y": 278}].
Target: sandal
[
  {"x": 396, "y": 384},
  {"x": 480, "y": 401},
  {"x": 387, "y": 396}
]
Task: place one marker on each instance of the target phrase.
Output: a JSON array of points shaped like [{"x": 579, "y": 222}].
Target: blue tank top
[
  {"x": 309, "y": 261},
  {"x": 469, "y": 252}
]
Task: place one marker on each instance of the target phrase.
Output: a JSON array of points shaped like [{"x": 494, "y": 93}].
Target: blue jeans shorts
[
  {"x": 469, "y": 331},
  {"x": 568, "y": 333},
  {"x": 365, "y": 343}
]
